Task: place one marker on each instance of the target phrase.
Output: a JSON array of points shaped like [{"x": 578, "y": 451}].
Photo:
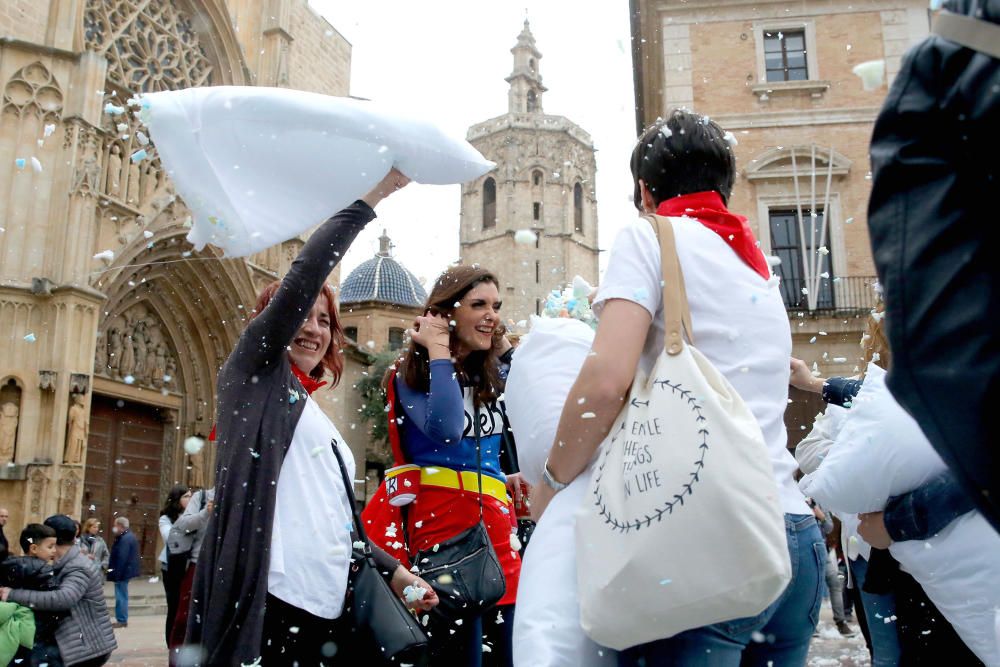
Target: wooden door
[{"x": 122, "y": 478}]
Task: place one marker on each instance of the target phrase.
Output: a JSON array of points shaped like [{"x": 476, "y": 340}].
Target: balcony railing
[{"x": 850, "y": 294}]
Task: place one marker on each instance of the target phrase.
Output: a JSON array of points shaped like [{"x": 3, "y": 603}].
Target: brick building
[{"x": 779, "y": 76}]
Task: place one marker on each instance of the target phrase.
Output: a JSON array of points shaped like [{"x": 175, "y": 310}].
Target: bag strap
[
  {"x": 349, "y": 488},
  {"x": 970, "y": 32},
  {"x": 394, "y": 440},
  {"x": 479, "y": 457},
  {"x": 676, "y": 312}
]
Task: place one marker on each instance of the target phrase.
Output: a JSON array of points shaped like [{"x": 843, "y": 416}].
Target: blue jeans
[
  {"x": 779, "y": 635},
  {"x": 885, "y": 642},
  {"x": 121, "y": 601}
]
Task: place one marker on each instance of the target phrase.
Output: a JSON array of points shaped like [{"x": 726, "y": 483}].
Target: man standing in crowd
[{"x": 123, "y": 566}]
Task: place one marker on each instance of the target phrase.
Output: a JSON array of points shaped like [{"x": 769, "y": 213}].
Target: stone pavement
[{"x": 141, "y": 644}]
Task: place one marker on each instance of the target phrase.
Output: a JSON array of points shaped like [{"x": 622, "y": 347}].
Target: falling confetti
[
  {"x": 106, "y": 256},
  {"x": 30, "y": 338},
  {"x": 113, "y": 109},
  {"x": 525, "y": 237},
  {"x": 128, "y": 379},
  {"x": 20, "y": 162},
  {"x": 139, "y": 155},
  {"x": 193, "y": 444},
  {"x": 36, "y": 166}
]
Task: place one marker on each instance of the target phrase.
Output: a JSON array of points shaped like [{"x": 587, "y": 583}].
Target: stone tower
[{"x": 543, "y": 182}]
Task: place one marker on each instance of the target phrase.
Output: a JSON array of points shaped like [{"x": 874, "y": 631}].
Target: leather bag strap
[{"x": 676, "y": 312}]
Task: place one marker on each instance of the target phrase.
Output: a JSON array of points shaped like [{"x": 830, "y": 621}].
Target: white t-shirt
[
  {"x": 311, "y": 533},
  {"x": 739, "y": 323}
]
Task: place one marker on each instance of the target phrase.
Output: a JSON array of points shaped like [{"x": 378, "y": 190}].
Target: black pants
[
  {"x": 465, "y": 646},
  {"x": 294, "y": 637},
  {"x": 172, "y": 578}
]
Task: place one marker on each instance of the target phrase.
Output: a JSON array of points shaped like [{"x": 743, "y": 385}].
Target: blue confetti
[
  {"x": 30, "y": 338},
  {"x": 139, "y": 155},
  {"x": 664, "y": 582},
  {"x": 20, "y": 162},
  {"x": 641, "y": 294},
  {"x": 293, "y": 396}
]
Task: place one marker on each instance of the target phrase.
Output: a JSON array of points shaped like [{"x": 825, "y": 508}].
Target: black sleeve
[
  {"x": 266, "y": 336},
  {"x": 841, "y": 391}
]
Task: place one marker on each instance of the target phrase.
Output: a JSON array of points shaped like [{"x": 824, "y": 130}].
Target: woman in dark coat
[{"x": 272, "y": 573}]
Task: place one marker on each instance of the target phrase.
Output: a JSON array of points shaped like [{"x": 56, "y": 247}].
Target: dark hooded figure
[{"x": 935, "y": 175}]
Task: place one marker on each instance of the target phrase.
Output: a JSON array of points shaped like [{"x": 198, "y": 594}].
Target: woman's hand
[
  {"x": 802, "y": 378},
  {"x": 403, "y": 579},
  {"x": 4, "y": 592},
  {"x": 518, "y": 489},
  {"x": 872, "y": 529},
  {"x": 394, "y": 180},
  {"x": 432, "y": 332}
]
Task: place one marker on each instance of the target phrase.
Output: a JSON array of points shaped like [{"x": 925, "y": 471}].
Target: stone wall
[{"x": 24, "y": 19}]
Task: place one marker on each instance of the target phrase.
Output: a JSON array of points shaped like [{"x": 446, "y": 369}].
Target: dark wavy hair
[
  {"x": 480, "y": 369},
  {"x": 333, "y": 360},
  {"x": 172, "y": 508}
]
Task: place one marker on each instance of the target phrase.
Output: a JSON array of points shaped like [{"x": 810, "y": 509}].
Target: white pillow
[
  {"x": 258, "y": 166},
  {"x": 545, "y": 366},
  {"x": 959, "y": 569},
  {"x": 880, "y": 452}
]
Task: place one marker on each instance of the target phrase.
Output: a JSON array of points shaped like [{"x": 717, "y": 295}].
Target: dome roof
[{"x": 383, "y": 279}]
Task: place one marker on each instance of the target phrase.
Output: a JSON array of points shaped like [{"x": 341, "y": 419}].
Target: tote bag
[{"x": 681, "y": 525}]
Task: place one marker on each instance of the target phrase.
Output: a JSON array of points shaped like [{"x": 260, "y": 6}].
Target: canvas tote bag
[{"x": 681, "y": 526}]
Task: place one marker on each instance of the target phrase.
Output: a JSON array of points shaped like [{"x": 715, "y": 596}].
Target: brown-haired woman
[
  {"x": 272, "y": 573},
  {"x": 452, "y": 373}
]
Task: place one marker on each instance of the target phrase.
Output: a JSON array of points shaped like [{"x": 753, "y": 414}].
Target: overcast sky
[{"x": 449, "y": 58}]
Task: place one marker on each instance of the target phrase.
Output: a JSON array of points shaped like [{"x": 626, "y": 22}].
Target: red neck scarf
[
  {"x": 708, "y": 209},
  {"x": 309, "y": 383}
]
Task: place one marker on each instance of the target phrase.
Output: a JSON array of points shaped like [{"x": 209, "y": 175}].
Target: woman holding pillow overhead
[{"x": 273, "y": 571}]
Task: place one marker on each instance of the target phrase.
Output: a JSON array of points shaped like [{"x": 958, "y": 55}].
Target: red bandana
[
  {"x": 309, "y": 383},
  {"x": 708, "y": 209}
]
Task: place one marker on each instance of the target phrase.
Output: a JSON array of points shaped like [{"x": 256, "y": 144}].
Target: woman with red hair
[{"x": 272, "y": 575}]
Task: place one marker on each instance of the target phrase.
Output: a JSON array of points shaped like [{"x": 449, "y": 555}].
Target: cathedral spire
[{"x": 525, "y": 95}]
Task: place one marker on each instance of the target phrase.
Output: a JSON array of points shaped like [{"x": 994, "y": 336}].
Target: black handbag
[
  {"x": 464, "y": 570},
  {"x": 380, "y": 618}
]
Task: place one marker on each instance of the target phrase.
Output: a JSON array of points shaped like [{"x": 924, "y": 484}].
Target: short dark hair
[
  {"x": 682, "y": 154},
  {"x": 65, "y": 528},
  {"x": 34, "y": 533}
]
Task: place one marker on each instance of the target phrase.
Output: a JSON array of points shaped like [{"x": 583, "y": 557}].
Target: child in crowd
[{"x": 33, "y": 571}]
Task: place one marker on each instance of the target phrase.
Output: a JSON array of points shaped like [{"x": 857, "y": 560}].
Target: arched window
[
  {"x": 578, "y": 208},
  {"x": 489, "y": 204},
  {"x": 536, "y": 177},
  {"x": 531, "y": 64},
  {"x": 532, "y": 101}
]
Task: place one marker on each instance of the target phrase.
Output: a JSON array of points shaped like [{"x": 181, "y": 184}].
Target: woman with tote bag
[{"x": 723, "y": 297}]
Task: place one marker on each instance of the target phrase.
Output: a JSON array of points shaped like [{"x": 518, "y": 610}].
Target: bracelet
[{"x": 550, "y": 480}]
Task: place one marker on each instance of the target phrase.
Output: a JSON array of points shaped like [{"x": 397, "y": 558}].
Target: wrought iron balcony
[{"x": 849, "y": 294}]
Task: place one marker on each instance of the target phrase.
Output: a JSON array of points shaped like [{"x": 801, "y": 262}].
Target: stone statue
[
  {"x": 196, "y": 472},
  {"x": 76, "y": 435},
  {"x": 160, "y": 366},
  {"x": 114, "y": 349},
  {"x": 8, "y": 431},
  {"x": 132, "y": 193},
  {"x": 114, "y": 185},
  {"x": 171, "y": 372},
  {"x": 149, "y": 365},
  {"x": 87, "y": 175},
  {"x": 150, "y": 184},
  {"x": 127, "y": 365},
  {"x": 101, "y": 355},
  {"x": 139, "y": 343}
]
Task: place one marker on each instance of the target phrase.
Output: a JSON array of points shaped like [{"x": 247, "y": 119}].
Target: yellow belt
[{"x": 463, "y": 480}]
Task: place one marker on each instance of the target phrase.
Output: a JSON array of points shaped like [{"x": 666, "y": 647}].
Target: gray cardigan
[
  {"x": 258, "y": 409},
  {"x": 87, "y": 632}
]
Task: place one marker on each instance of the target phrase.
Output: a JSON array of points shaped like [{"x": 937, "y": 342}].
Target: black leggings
[
  {"x": 465, "y": 647},
  {"x": 294, "y": 637}
]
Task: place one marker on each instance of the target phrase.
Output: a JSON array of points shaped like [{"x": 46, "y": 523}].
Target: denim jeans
[
  {"x": 778, "y": 636},
  {"x": 885, "y": 641},
  {"x": 121, "y": 601}
]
